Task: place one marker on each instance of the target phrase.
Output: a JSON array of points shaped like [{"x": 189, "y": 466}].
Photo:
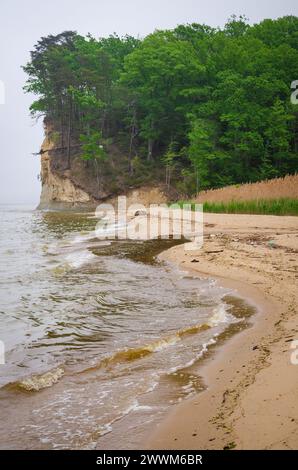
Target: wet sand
[{"x": 251, "y": 395}]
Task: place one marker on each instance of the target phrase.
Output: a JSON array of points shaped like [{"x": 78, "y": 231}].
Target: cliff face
[
  {"x": 59, "y": 192},
  {"x": 80, "y": 187},
  {"x": 59, "y": 189}
]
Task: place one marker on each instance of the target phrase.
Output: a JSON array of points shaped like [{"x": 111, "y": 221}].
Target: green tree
[{"x": 93, "y": 150}]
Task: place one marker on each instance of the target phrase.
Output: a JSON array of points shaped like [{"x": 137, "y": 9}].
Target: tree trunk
[
  {"x": 133, "y": 134},
  {"x": 130, "y": 169},
  {"x": 62, "y": 131},
  {"x": 197, "y": 182},
  {"x": 168, "y": 176},
  {"x": 68, "y": 137},
  {"x": 150, "y": 148},
  {"x": 97, "y": 177}
]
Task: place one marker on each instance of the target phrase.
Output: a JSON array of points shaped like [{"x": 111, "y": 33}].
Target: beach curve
[{"x": 251, "y": 394}]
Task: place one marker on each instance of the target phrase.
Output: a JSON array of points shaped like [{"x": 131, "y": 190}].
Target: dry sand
[{"x": 251, "y": 399}]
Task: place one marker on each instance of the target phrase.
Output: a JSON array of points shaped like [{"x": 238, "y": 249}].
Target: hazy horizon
[{"x": 24, "y": 23}]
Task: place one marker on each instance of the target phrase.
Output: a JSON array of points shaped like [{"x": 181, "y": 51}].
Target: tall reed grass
[{"x": 278, "y": 188}]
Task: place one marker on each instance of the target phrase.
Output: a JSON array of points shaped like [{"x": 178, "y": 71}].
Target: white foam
[
  {"x": 83, "y": 238},
  {"x": 79, "y": 258},
  {"x": 220, "y": 315},
  {"x": 142, "y": 408},
  {"x": 38, "y": 382},
  {"x": 194, "y": 359}
]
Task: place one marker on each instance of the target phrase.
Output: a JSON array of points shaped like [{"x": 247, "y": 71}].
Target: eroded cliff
[
  {"x": 70, "y": 183},
  {"x": 58, "y": 190}
]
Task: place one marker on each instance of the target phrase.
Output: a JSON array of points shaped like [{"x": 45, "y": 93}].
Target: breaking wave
[
  {"x": 220, "y": 315},
  {"x": 35, "y": 383}
]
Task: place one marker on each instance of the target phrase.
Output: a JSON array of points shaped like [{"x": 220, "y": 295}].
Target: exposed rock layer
[{"x": 76, "y": 188}]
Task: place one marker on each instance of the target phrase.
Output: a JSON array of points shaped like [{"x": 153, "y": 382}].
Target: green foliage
[
  {"x": 92, "y": 148},
  {"x": 282, "y": 206},
  {"x": 169, "y": 159},
  {"x": 212, "y": 106},
  {"x": 210, "y": 164}
]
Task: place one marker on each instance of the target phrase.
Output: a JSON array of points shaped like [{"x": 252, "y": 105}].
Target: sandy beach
[{"x": 250, "y": 400}]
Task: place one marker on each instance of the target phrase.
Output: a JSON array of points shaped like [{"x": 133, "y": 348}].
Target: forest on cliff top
[{"x": 194, "y": 107}]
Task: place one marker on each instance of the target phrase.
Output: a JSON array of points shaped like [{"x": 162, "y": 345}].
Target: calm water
[{"x": 99, "y": 337}]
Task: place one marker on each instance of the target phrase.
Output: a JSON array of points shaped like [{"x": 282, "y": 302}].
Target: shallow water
[{"x": 99, "y": 337}]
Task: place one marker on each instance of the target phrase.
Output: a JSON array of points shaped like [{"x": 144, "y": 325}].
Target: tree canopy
[{"x": 206, "y": 107}]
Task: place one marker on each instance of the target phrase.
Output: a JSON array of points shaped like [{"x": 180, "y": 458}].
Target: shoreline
[{"x": 250, "y": 397}]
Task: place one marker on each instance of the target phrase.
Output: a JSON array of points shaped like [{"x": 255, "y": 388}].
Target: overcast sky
[{"x": 24, "y": 22}]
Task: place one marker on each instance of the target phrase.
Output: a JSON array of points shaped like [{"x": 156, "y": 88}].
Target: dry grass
[{"x": 277, "y": 188}]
